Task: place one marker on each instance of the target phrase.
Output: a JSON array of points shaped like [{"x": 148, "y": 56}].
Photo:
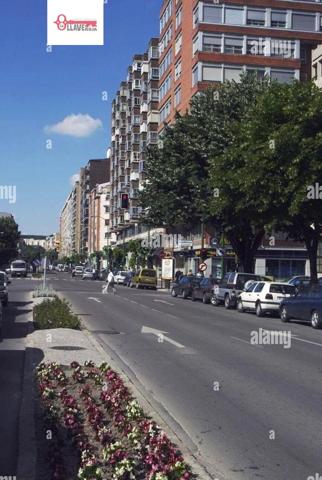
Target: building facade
[
  {"x": 204, "y": 42},
  {"x": 99, "y": 218},
  {"x": 135, "y": 121},
  {"x": 95, "y": 172}
]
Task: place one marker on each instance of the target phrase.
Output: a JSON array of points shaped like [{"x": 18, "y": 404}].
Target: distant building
[
  {"x": 53, "y": 242},
  {"x": 317, "y": 66},
  {"x": 99, "y": 218},
  {"x": 34, "y": 240}
]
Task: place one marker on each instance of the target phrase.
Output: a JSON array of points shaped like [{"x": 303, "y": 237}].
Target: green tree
[
  {"x": 282, "y": 150},
  {"x": 191, "y": 180},
  {"x": 9, "y": 238}
]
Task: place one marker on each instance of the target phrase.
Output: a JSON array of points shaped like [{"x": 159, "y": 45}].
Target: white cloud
[
  {"x": 76, "y": 126},
  {"x": 73, "y": 179}
]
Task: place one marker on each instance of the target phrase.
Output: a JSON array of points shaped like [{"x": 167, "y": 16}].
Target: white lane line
[
  {"x": 245, "y": 341},
  {"x": 164, "y": 301},
  {"x": 172, "y": 316},
  {"x": 307, "y": 341},
  {"x": 161, "y": 336},
  {"x": 133, "y": 301},
  {"x": 94, "y": 299}
]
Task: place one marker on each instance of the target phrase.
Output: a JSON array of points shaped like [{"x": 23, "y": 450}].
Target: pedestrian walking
[{"x": 110, "y": 281}]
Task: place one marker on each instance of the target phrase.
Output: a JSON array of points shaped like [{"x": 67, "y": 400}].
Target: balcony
[
  {"x": 152, "y": 137},
  {"x": 143, "y": 128},
  {"x": 134, "y": 176},
  {"x": 153, "y": 117}
]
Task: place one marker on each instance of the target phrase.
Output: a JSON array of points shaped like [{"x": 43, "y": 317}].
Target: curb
[
  {"x": 156, "y": 410},
  {"x": 27, "y": 450}
]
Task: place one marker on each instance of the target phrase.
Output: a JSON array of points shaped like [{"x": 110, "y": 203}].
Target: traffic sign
[{"x": 203, "y": 267}]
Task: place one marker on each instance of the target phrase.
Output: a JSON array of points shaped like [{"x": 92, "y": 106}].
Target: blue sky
[{"x": 38, "y": 89}]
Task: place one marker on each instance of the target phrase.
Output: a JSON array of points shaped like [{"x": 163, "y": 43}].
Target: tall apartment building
[
  {"x": 70, "y": 223},
  {"x": 99, "y": 218},
  {"x": 134, "y": 126},
  {"x": 203, "y": 42},
  {"x": 95, "y": 172}
]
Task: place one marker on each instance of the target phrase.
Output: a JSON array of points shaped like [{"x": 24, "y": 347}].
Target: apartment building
[
  {"x": 317, "y": 66},
  {"x": 99, "y": 218},
  {"x": 209, "y": 41},
  {"x": 135, "y": 121},
  {"x": 94, "y": 173}
]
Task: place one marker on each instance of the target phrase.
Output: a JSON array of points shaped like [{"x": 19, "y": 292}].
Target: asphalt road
[{"x": 252, "y": 411}]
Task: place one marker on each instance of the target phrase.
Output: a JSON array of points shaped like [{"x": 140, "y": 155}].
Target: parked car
[
  {"x": 264, "y": 297},
  {"x": 119, "y": 277},
  {"x": 78, "y": 271},
  {"x": 60, "y": 267},
  {"x": 18, "y": 268},
  {"x": 128, "y": 278},
  {"x": 299, "y": 282},
  {"x": 185, "y": 285},
  {"x": 4, "y": 282},
  {"x": 203, "y": 289},
  {"x": 1, "y": 321},
  {"x": 89, "y": 274},
  {"x": 65, "y": 268},
  {"x": 231, "y": 286},
  {"x": 146, "y": 278},
  {"x": 306, "y": 305}
]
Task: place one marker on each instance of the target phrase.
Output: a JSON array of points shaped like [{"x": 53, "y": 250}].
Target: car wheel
[
  {"x": 214, "y": 301},
  {"x": 227, "y": 302},
  {"x": 259, "y": 311},
  {"x": 316, "y": 320},
  {"x": 240, "y": 307},
  {"x": 205, "y": 298},
  {"x": 284, "y": 314},
  {"x": 173, "y": 293},
  {"x": 185, "y": 294}
]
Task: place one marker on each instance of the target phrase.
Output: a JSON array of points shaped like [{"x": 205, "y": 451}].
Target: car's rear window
[
  {"x": 18, "y": 265},
  {"x": 280, "y": 288},
  {"x": 242, "y": 279},
  {"x": 148, "y": 273}
]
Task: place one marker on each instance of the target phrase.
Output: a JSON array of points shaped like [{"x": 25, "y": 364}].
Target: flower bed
[{"x": 89, "y": 409}]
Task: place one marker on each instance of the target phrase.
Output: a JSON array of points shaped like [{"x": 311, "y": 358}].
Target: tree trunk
[
  {"x": 245, "y": 247},
  {"x": 312, "y": 244}
]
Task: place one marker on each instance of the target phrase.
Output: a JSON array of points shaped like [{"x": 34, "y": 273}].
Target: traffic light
[{"x": 125, "y": 201}]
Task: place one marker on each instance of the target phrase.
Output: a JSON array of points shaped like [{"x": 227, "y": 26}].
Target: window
[
  {"x": 303, "y": 22},
  {"x": 256, "y": 46},
  {"x": 136, "y": 101},
  {"x": 282, "y": 48},
  {"x": 166, "y": 15},
  {"x": 282, "y": 76},
  {"x": 232, "y": 74},
  {"x": 259, "y": 287},
  {"x": 155, "y": 74},
  {"x": 179, "y": 17},
  {"x": 315, "y": 71},
  {"x": 165, "y": 111},
  {"x": 234, "y": 16},
  {"x": 195, "y": 16},
  {"x": 178, "y": 44},
  {"x": 166, "y": 62},
  {"x": 195, "y": 76},
  {"x": 259, "y": 72},
  {"x": 165, "y": 87},
  {"x": 233, "y": 45},
  {"x": 155, "y": 94},
  {"x": 212, "y": 74},
  {"x": 136, "y": 119},
  {"x": 177, "y": 96},
  {"x": 177, "y": 70},
  {"x": 211, "y": 43},
  {"x": 165, "y": 40},
  {"x": 256, "y": 17},
  {"x": 278, "y": 19},
  {"x": 212, "y": 14}
]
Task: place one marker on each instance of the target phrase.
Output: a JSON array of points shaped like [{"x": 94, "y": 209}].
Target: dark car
[
  {"x": 184, "y": 285},
  {"x": 203, "y": 290},
  {"x": 306, "y": 306},
  {"x": 300, "y": 282},
  {"x": 127, "y": 279}
]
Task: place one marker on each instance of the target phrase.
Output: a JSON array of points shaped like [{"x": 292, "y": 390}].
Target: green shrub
[{"x": 55, "y": 313}]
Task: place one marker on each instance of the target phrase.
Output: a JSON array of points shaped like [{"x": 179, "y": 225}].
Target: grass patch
[{"x": 55, "y": 313}]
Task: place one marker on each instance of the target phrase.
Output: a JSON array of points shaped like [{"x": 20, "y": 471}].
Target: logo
[
  {"x": 87, "y": 25},
  {"x": 76, "y": 22}
]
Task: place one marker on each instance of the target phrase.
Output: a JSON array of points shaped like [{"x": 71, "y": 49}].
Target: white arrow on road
[
  {"x": 164, "y": 301},
  {"x": 95, "y": 299},
  {"x": 161, "y": 336}
]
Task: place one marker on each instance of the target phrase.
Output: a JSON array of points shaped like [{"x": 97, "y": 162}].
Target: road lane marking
[
  {"x": 95, "y": 299},
  {"x": 247, "y": 342},
  {"x": 307, "y": 341},
  {"x": 161, "y": 336},
  {"x": 164, "y": 301}
]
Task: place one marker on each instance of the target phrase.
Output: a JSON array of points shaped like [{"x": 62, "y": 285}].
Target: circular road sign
[{"x": 203, "y": 267}]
